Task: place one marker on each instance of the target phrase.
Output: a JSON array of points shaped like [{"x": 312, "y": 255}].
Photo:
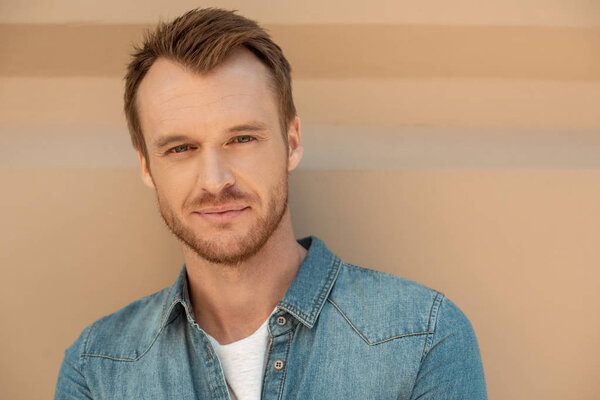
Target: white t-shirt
[{"x": 243, "y": 363}]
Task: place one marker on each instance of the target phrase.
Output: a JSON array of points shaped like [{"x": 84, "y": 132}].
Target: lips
[
  {"x": 222, "y": 214},
  {"x": 221, "y": 209}
]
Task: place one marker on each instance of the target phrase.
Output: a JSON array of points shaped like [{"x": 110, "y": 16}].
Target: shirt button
[
  {"x": 278, "y": 365},
  {"x": 281, "y": 320}
]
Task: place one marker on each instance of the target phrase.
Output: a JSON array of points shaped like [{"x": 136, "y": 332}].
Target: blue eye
[
  {"x": 180, "y": 149},
  {"x": 243, "y": 139}
]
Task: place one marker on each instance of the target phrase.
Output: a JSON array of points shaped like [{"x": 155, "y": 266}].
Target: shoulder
[
  {"x": 382, "y": 307},
  {"x": 127, "y": 333}
]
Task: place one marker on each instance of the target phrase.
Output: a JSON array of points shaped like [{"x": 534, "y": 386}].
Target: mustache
[{"x": 226, "y": 196}]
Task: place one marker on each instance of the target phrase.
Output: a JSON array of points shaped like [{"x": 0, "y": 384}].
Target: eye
[
  {"x": 243, "y": 139},
  {"x": 180, "y": 149}
]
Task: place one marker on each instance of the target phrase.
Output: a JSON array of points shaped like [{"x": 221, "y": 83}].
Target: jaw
[{"x": 234, "y": 242}]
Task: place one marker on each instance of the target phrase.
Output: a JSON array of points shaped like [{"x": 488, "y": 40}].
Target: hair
[{"x": 200, "y": 40}]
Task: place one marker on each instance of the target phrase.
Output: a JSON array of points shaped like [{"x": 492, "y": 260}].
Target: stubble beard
[{"x": 240, "y": 247}]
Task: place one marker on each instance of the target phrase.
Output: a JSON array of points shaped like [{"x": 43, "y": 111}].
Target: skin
[{"x": 214, "y": 140}]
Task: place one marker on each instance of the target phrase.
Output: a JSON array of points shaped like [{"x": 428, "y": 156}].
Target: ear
[
  {"x": 145, "y": 172},
  {"x": 294, "y": 144}
]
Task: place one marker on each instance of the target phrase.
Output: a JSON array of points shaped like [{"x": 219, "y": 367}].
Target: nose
[{"x": 215, "y": 173}]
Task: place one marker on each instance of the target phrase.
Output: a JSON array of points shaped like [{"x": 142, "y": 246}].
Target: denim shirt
[{"x": 347, "y": 333}]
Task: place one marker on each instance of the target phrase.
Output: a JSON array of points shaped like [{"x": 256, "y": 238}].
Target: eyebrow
[
  {"x": 248, "y": 127},
  {"x": 254, "y": 126}
]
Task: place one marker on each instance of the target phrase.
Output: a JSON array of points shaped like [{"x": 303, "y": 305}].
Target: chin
[{"x": 229, "y": 251}]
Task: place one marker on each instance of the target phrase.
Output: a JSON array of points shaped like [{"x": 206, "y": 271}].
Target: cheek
[
  {"x": 259, "y": 170},
  {"x": 264, "y": 158},
  {"x": 173, "y": 186}
]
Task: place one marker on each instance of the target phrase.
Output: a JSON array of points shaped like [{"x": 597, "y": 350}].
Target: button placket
[
  {"x": 214, "y": 371},
  {"x": 282, "y": 332}
]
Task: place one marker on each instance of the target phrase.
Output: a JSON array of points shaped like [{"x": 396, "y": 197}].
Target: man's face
[{"x": 216, "y": 155}]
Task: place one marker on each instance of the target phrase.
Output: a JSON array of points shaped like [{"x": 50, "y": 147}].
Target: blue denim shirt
[{"x": 349, "y": 333}]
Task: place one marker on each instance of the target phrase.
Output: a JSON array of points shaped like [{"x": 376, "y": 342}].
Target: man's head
[
  {"x": 200, "y": 40},
  {"x": 213, "y": 136}
]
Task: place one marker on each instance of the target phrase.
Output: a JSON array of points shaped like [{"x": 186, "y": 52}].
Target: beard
[{"x": 230, "y": 247}]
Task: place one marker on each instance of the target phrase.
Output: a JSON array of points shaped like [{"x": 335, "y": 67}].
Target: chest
[{"x": 329, "y": 361}]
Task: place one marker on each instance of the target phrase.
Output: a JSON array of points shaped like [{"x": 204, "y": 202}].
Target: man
[{"x": 254, "y": 313}]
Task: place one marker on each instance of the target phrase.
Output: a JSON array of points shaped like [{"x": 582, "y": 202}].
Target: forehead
[{"x": 237, "y": 89}]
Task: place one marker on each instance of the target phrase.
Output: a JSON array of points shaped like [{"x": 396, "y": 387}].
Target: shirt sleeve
[
  {"x": 451, "y": 367},
  {"x": 71, "y": 382}
]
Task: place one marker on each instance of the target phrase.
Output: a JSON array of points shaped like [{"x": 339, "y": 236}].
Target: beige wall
[{"x": 453, "y": 143}]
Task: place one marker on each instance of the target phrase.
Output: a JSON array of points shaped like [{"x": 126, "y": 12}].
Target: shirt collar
[
  {"x": 304, "y": 298},
  {"x": 309, "y": 290}
]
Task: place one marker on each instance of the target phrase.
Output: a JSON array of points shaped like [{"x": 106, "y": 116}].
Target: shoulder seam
[
  {"x": 431, "y": 325},
  {"x": 87, "y": 338},
  {"x": 82, "y": 359}
]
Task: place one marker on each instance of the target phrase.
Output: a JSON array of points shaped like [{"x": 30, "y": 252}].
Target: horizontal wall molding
[
  {"x": 326, "y": 147},
  {"x": 362, "y": 147},
  {"x": 435, "y": 102},
  {"x": 331, "y": 51},
  {"x": 457, "y": 12}
]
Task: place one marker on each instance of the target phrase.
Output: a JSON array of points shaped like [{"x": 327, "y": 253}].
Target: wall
[{"x": 453, "y": 143}]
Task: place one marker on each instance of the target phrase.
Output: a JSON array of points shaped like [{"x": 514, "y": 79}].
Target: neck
[{"x": 230, "y": 303}]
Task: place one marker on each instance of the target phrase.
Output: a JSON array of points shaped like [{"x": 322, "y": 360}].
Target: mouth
[
  {"x": 221, "y": 209},
  {"x": 221, "y": 214}
]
